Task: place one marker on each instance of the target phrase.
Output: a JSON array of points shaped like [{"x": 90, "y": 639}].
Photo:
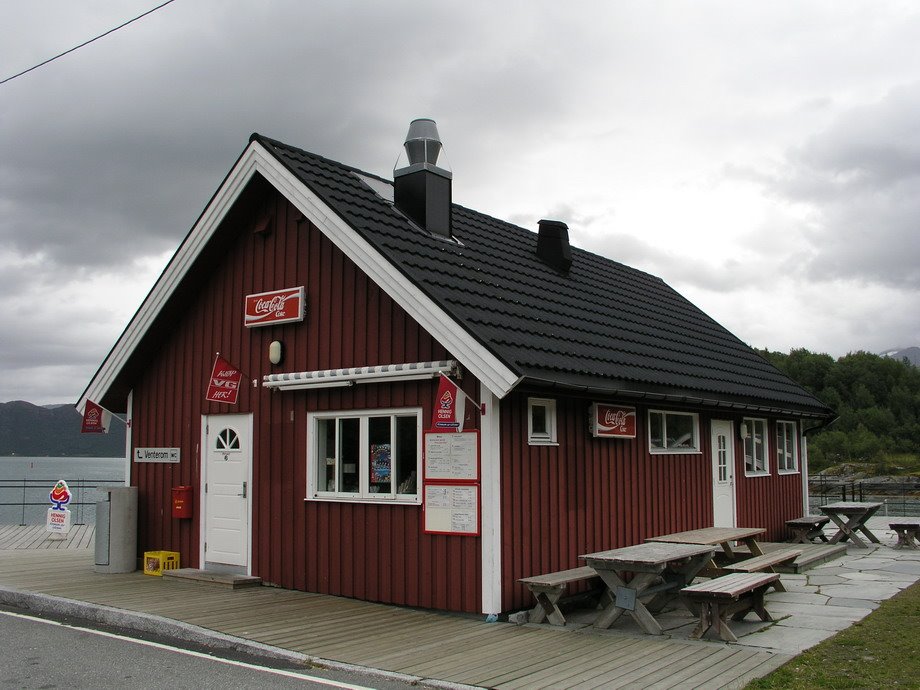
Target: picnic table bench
[
  {"x": 735, "y": 595},
  {"x": 765, "y": 563},
  {"x": 548, "y": 590},
  {"x": 908, "y": 532},
  {"x": 807, "y": 528}
]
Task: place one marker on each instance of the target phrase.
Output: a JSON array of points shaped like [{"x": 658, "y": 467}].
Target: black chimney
[
  {"x": 553, "y": 245},
  {"x": 422, "y": 190}
]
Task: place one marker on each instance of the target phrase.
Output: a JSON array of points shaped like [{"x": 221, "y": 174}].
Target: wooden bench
[
  {"x": 735, "y": 595},
  {"x": 765, "y": 563},
  {"x": 548, "y": 589},
  {"x": 807, "y": 528},
  {"x": 908, "y": 532}
]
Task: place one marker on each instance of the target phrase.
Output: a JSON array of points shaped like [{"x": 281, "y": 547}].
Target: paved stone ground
[{"x": 818, "y": 604}]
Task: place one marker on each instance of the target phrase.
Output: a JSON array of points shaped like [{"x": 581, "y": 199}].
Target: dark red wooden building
[{"x": 601, "y": 407}]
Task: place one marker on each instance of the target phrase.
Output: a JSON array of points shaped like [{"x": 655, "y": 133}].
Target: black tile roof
[{"x": 603, "y": 327}]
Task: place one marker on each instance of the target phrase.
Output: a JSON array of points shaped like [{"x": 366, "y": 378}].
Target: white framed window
[
  {"x": 787, "y": 459},
  {"x": 365, "y": 456},
  {"x": 541, "y": 422},
  {"x": 754, "y": 433},
  {"x": 673, "y": 432}
]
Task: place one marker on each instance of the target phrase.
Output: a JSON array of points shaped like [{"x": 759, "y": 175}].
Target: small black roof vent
[{"x": 553, "y": 245}]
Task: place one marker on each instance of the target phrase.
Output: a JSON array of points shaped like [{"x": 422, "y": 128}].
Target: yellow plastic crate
[{"x": 155, "y": 562}]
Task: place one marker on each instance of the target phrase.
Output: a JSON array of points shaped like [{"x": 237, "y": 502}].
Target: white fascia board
[{"x": 479, "y": 361}]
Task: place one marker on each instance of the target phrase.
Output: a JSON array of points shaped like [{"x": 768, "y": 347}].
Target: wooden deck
[
  {"x": 37, "y": 537},
  {"x": 425, "y": 644}
]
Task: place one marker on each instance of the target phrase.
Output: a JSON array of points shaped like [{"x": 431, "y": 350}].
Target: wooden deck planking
[
  {"x": 675, "y": 672},
  {"x": 620, "y": 674},
  {"x": 429, "y": 644},
  {"x": 26, "y": 537},
  {"x": 548, "y": 666}
]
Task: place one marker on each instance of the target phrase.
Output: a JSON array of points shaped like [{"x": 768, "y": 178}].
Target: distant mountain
[
  {"x": 30, "y": 430},
  {"x": 911, "y": 354}
]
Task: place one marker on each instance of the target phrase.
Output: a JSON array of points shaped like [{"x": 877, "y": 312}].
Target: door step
[{"x": 209, "y": 577}]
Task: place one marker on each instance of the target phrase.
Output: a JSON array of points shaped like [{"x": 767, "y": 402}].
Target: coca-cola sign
[
  {"x": 613, "y": 421},
  {"x": 277, "y": 306}
]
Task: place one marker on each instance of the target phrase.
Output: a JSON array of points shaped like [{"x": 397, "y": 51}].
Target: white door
[
  {"x": 723, "y": 474},
  {"x": 227, "y": 476}
]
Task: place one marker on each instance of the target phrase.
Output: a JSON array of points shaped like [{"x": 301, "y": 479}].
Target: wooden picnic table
[
  {"x": 724, "y": 536},
  {"x": 850, "y": 518},
  {"x": 659, "y": 571}
]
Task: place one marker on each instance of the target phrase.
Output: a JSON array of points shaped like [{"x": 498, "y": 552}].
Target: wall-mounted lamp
[
  {"x": 275, "y": 352},
  {"x": 743, "y": 430}
]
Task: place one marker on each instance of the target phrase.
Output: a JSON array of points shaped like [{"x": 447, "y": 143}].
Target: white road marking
[{"x": 200, "y": 655}]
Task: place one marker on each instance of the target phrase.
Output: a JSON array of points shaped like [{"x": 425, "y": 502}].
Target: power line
[{"x": 86, "y": 43}]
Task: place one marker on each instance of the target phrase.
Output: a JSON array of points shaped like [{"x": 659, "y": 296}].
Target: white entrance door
[
  {"x": 723, "y": 474},
  {"x": 227, "y": 476}
]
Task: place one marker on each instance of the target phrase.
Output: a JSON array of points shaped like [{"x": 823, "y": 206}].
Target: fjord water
[{"x": 26, "y": 481}]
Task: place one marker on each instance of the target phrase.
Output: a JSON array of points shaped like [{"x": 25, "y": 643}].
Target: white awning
[{"x": 332, "y": 378}]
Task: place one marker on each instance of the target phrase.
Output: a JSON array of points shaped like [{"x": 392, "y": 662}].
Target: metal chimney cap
[
  {"x": 422, "y": 147},
  {"x": 423, "y": 128}
]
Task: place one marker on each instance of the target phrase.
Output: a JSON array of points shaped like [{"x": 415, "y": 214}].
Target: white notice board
[
  {"x": 452, "y": 509},
  {"x": 452, "y": 456}
]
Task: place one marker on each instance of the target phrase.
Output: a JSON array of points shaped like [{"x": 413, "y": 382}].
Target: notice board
[
  {"x": 451, "y": 502},
  {"x": 452, "y": 509},
  {"x": 452, "y": 456}
]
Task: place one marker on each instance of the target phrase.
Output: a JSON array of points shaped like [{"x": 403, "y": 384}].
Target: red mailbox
[{"x": 182, "y": 502}]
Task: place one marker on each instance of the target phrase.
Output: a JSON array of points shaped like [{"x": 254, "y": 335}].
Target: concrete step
[{"x": 209, "y": 577}]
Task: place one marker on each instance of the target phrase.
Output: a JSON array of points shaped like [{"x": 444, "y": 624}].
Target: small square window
[{"x": 541, "y": 422}]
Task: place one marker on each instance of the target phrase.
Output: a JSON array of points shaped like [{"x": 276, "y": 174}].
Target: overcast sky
[{"x": 763, "y": 158}]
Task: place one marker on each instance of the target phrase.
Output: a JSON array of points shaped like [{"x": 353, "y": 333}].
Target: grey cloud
[{"x": 860, "y": 178}]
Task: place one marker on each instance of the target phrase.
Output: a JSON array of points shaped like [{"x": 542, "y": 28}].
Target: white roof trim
[
  {"x": 474, "y": 357},
  {"x": 330, "y": 378}
]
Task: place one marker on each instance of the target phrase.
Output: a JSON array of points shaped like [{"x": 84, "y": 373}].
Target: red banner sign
[
  {"x": 277, "y": 306},
  {"x": 95, "y": 419},
  {"x": 448, "y": 407},
  {"x": 224, "y": 385},
  {"x": 613, "y": 421}
]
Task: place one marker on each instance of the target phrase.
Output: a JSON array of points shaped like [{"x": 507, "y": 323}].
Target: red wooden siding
[
  {"x": 367, "y": 551},
  {"x": 587, "y": 494},
  {"x": 769, "y": 500}
]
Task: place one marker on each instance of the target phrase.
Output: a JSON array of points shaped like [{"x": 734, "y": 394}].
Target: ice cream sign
[
  {"x": 58, "y": 516},
  {"x": 612, "y": 421}
]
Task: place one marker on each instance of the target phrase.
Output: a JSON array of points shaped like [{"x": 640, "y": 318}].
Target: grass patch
[{"x": 880, "y": 651}]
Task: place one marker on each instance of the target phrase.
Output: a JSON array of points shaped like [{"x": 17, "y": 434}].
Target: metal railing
[
  {"x": 22, "y": 498},
  {"x": 900, "y": 497}
]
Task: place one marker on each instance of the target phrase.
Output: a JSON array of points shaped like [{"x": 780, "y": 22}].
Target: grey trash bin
[{"x": 116, "y": 530}]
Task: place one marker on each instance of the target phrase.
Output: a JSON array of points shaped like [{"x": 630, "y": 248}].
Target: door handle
[{"x": 244, "y": 491}]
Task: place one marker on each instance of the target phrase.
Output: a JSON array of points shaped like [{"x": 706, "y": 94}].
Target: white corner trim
[
  {"x": 475, "y": 358},
  {"x": 491, "y": 493}
]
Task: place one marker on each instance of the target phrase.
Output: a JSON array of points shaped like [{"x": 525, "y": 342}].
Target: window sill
[
  {"x": 756, "y": 474},
  {"x": 675, "y": 451},
  {"x": 788, "y": 472},
  {"x": 539, "y": 442},
  {"x": 365, "y": 500}
]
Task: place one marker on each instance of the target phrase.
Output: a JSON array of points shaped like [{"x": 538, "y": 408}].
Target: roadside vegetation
[
  {"x": 878, "y": 403},
  {"x": 880, "y": 651}
]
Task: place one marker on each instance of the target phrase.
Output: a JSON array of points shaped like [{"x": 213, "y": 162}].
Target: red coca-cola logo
[
  {"x": 614, "y": 421},
  {"x": 278, "y": 306},
  {"x": 615, "y": 418}
]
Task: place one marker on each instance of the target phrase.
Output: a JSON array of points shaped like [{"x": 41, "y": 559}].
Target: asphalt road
[{"x": 40, "y": 652}]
